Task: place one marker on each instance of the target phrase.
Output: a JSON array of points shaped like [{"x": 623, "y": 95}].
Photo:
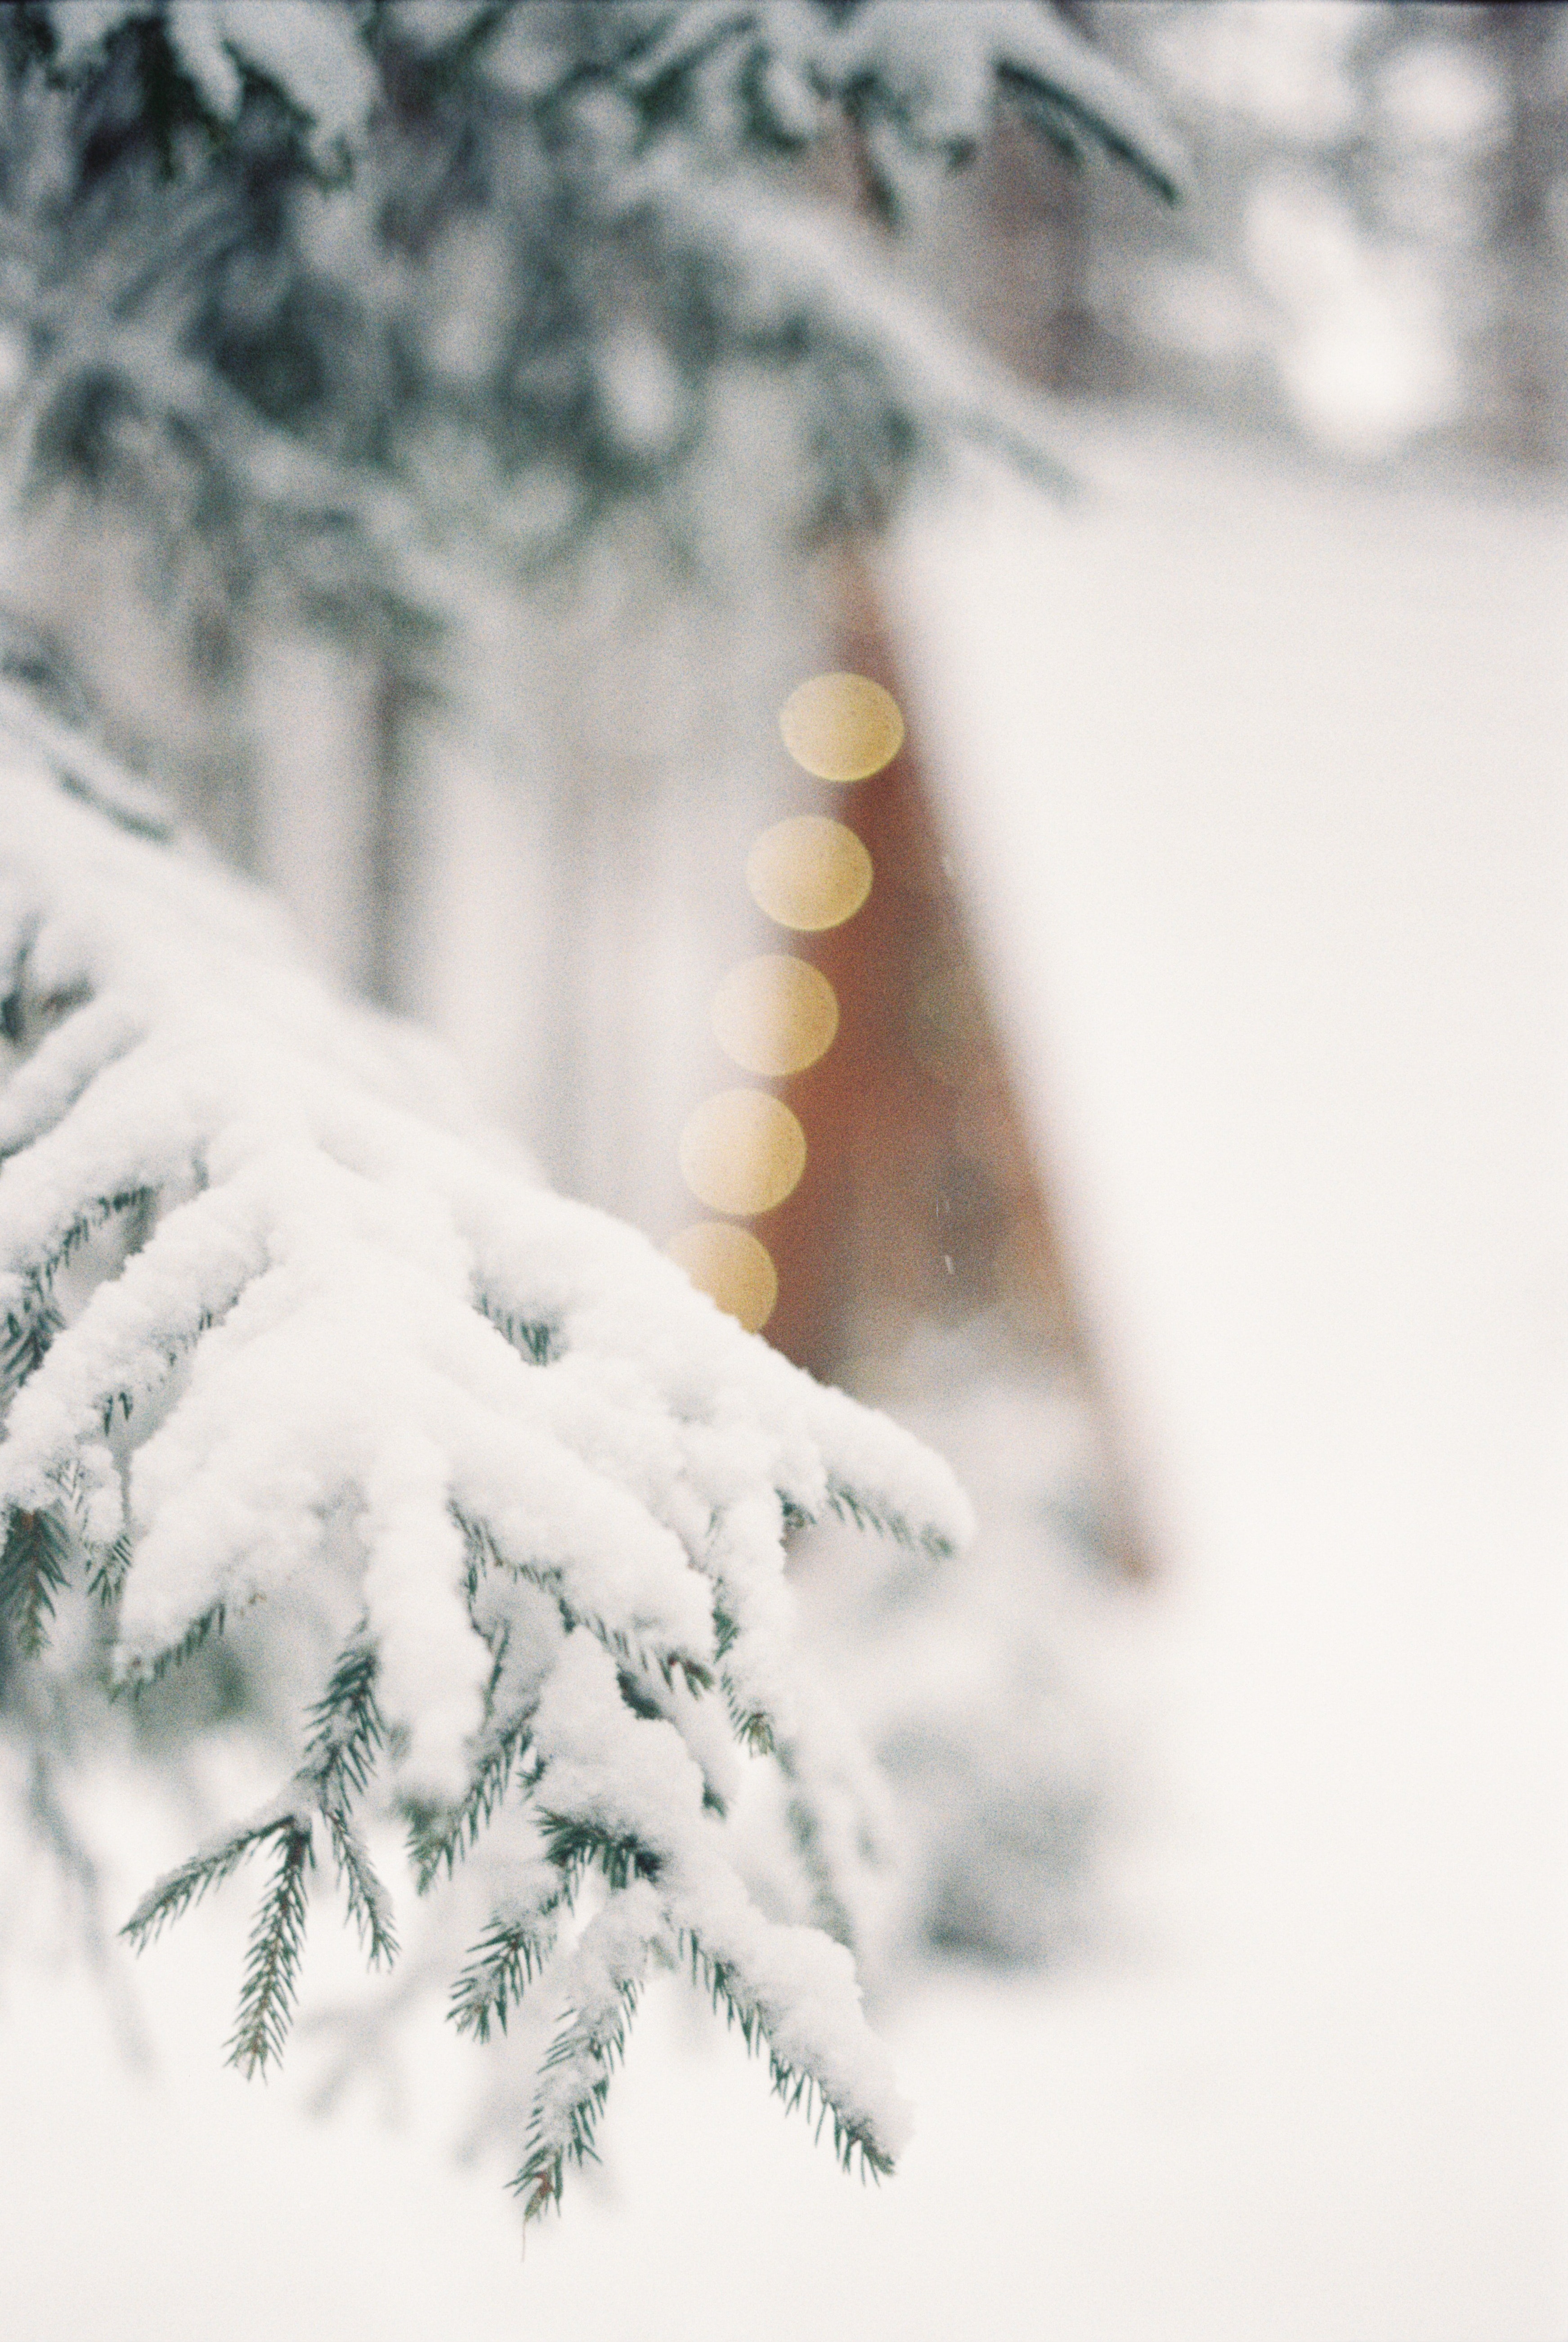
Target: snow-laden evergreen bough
[
  {"x": 277, "y": 1312},
  {"x": 331, "y": 294}
]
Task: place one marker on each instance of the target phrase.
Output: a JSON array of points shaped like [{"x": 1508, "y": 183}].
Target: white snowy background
[{"x": 1254, "y": 786}]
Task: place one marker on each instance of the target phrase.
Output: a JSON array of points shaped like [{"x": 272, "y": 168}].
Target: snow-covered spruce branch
[
  {"x": 728, "y": 74},
  {"x": 334, "y": 381},
  {"x": 346, "y": 1739},
  {"x": 276, "y": 1309},
  {"x": 786, "y": 275},
  {"x": 916, "y": 83}
]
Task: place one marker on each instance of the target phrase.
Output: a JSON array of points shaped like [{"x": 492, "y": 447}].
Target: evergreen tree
[
  {"x": 341, "y": 302},
  {"x": 339, "y": 297}
]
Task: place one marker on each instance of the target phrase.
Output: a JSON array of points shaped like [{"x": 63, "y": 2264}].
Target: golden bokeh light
[
  {"x": 809, "y": 873},
  {"x": 841, "y": 727},
  {"x": 729, "y": 1263},
  {"x": 743, "y": 1151},
  {"x": 776, "y": 1014}
]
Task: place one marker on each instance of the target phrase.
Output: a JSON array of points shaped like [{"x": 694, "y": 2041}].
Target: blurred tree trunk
[
  {"x": 1529, "y": 348},
  {"x": 386, "y": 842}
]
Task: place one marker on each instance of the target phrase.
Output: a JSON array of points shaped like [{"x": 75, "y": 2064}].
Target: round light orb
[
  {"x": 730, "y": 1264},
  {"x": 841, "y": 727},
  {"x": 743, "y": 1151},
  {"x": 776, "y": 1014},
  {"x": 809, "y": 873}
]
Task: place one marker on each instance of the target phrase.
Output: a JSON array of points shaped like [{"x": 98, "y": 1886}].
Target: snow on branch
[
  {"x": 309, "y": 52},
  {"x": 732, "y": 73},
  {"x": 797, "y": 275},
  {"x": 276, "y": 1309},
  {"x": 928, "y": 80},
  {"x": 337, "y": 300}
]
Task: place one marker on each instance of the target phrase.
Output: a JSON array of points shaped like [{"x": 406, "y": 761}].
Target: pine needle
[{"x": 35, "y": 1567}]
